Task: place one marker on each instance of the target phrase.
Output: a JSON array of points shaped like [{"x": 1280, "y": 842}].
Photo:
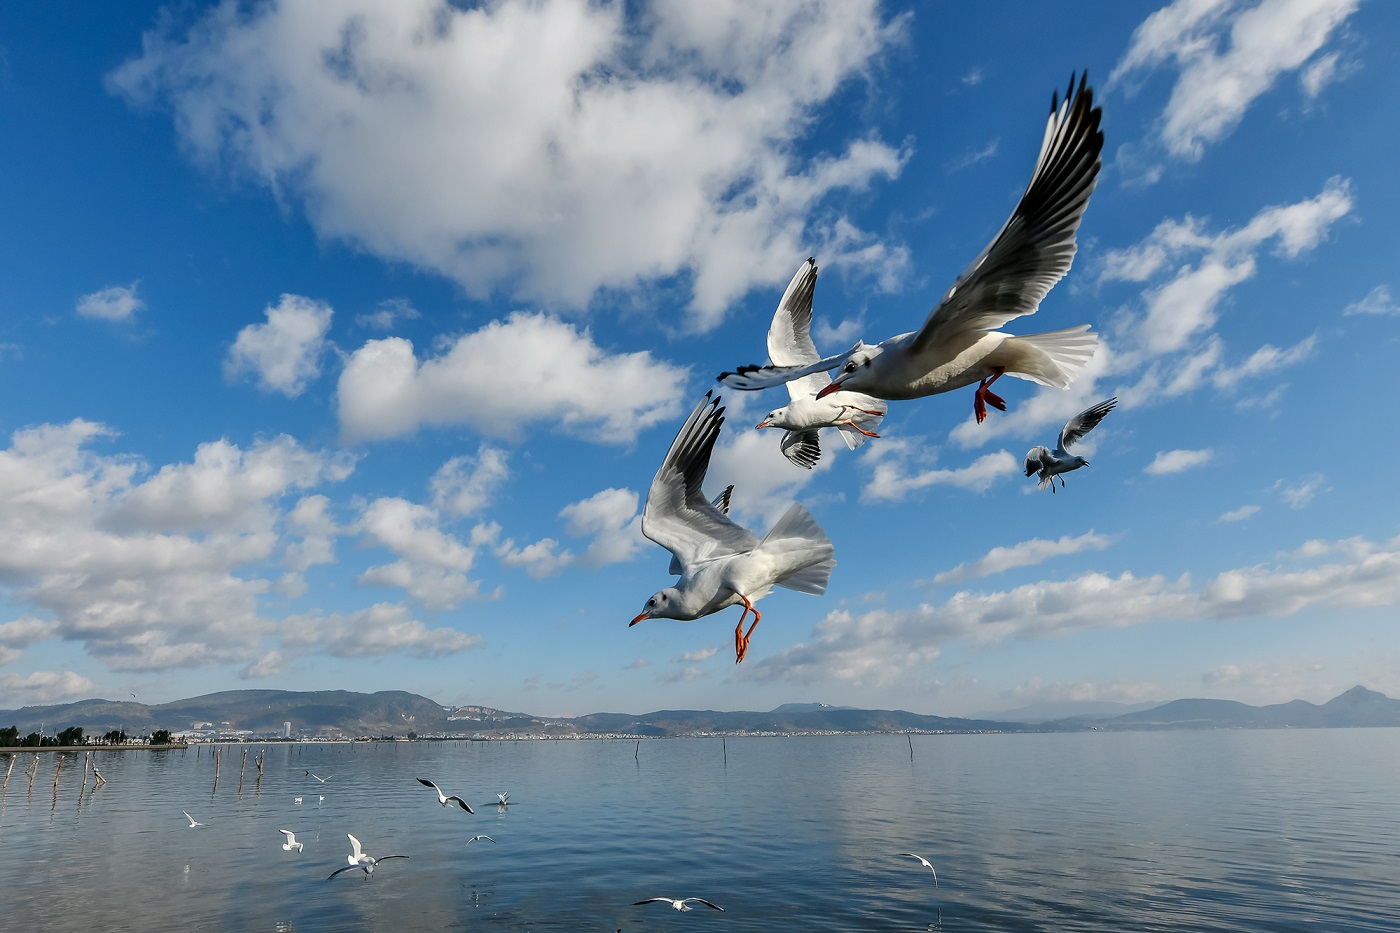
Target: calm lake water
[{"x": 1195, "y": 831}]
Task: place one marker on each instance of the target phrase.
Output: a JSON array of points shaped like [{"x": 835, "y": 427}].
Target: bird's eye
[
  {"x": 850, "y": 366},
  {"x": 651, "y": 602}
]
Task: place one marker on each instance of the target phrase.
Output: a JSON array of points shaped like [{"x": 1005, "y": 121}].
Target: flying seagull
[
  {"x": 291, "y": 843},
  {"x": 1050, "y": 464},
  {"x": 358, "y": 858},
  {"x": 679, "y": 903},
  {"x": 482, "y": 836},
  {"x": 321, "y": 779},
  {"x": 790, "y": 344},
  {"x": 443, "y": 798},
  {"x": 720, "y": 563},
  {"x": 924, "y": 862},
  {"x": 193, "y": 821},
  {"x": 959, "y": 343}
]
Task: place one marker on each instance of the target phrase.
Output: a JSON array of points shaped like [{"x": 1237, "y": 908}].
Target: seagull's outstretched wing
[
  {"x": 701, "y": 900},
  {"x": 1084, "y": 422},
  {"x": 461, "y": 803},
  {"x": 347, "y": 868},
  {"x": 355, "y": 846},
  {"x": 749, "y": 378},
  {"x": 677, "y": 515},
  {"x": 803, "y": 448},
  {"x": 924, "y": 862},
  {"x": 790, "y": 334},
  {"x": 1036, "y": 458},
  {"x": 720, "y": 502},
  {"x": 1036, "y": 246}
]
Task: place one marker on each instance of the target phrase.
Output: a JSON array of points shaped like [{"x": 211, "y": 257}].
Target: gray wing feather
[
  {"x": 1035, "y": 459},
  {"x": 1036, "y": 246},
  {"x": 790, "y": 334},
  {"x": 1084, "y": 422},
  {"x": 802, "y": 447},
  {"x": 677, "y": 515}
]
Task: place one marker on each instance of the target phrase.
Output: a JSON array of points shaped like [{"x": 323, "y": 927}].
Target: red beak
[
  {"x": 636, "y": 620},
  {"x": 834, "y": 387},
  {"x": 762, "y": 424}
]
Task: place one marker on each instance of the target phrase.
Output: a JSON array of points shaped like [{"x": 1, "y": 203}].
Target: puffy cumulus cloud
[
  {"x": 381, "y": 629},
  {"x": 20, "y": 633},
  {"x": 1376, "y": 301},
  {"x": 609, "y": 144},
  {"x": 1228, "y": 54},
  {"x": 284, "y": 354},
  {"x": 610, "y": 517},
  {"x": 504, "y": 379},
  {"x": 894, "y": 477},
  {"x": 893, "y": 645},
  {"x": 45, "y": 687},
  {"x": 1023, "y": 554},
  {"x": 147, "y": 571},
  {"x": 432, "y": 564},
  {"x": 118, "y": 303},
  {"x": 465, "y": 485},
  {"x": 1177, "y": 461},
  {"x": 311, "y": 531}
]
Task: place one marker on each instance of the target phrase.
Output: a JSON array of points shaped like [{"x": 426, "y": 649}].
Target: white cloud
[
  {"x": 380, "y": 629},
  {"x": 465, "y": 485},
  {"x": 1377, "y": 301},
  {"x": 887, "y": 646},
  {"x": 1177, "y": 461},
  {"x": 432, "y": 564},
  {"x": 608, "y": 145},
  {"x": 505, "y": 378},
  {"x": 696, "y": 656},
  {"x": 118, "y": 303},
  {"x": 611, "y": 517},
  {"x": 1301, "y": 494},
  {"x": 1023, "y": 554},
  {"x": 1264, "y": 360},
  {"x": 285, "y": 353},
  {"x": 389, "y": 312},
  {"x": 893, "y": 479},
  {"x": 20, "y": 633},
  {"x": 1239, "y": 514},
  {"x": 45, "y": 687},
  {"x": 1229, "y": 54}
]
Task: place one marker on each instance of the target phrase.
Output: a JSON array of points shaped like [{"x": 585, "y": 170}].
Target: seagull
[
  {"x": 296, "y": 800},
  {"x": 320, "y": 799},
  {"x": 321, "y": 779},
  {"x": 358, "y": 858},
  {"x": 483, "y": 836},
  {"x": 1050, "y": 464},
  {"x": 790, "y": 344},
  {"x": 504, "y": 799},
  {"x": 679, "y": 903},
  {"x": 958, "y": 343},
  {"x": 925, "y": 862},
  {"x": 720, "y": 563},
  {"x": 193, "y": 821},
  {"x": 291, "y": 842},
  {"x": 443, "y": 798}
]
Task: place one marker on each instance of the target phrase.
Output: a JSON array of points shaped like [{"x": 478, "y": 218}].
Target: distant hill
[
  {"x": 1065, "y": 709},
  {"x": 396, "y": 712}
]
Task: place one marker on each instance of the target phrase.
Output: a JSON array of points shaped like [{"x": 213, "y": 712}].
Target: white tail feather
[
  {"x": 1055, "y": 358},
  {"x": 814, "y": 560}
]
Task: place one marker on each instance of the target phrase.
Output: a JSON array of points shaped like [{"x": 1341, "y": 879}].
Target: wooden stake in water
[
  {"x": 911, "y": 746},
  {"x": 724, "y": 748},
  {"x": 216, "y": 770},
  {"x": 57, "y": 773},
  {"x": 34, "y": 772},
  {"x": 637, "y": 751},
  {"x": 7, "y": 773}
]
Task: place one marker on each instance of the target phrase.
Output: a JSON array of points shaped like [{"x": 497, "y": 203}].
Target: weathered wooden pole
[
  {"x": 57, "y": 773},
  {"x": 7, "y": 773},
  {"x": 34, "y": 773}
]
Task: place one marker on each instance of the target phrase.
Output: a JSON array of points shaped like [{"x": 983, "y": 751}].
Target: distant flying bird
[
  {"x": 790, "y": 344},
  {"x": 959, "y": 343},
  {"x": 360, "y": 859},
  {"x": 443, "y": 798},
  {"x": 291, "y": 843},
  {"x": 193, "y": 821},
  {"x": 924, "y": 862},
  {"x": 483, "y": 836},
  {"x": 679, "y": 903},
  {"x": 1052, "y": 464},
  {"x": 720, "y": 563},
  {"x": 321, "y": 779}
]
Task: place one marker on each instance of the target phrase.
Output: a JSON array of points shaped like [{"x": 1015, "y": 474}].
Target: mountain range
[{"x": 395, "y": 712}]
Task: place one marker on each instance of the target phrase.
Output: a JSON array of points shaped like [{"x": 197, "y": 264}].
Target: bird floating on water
[
  {"x": 790, "y": 344},
  {"x": 360, "y": 859},
  {"x": 193, "y": 821},
  {"x": 925, "y": 862},
  {"x": 503, "y": 799},
  {"x": 443, "y": 798},
  {"x": 720, "y": 563},
  {"x": 679, "y": 903},
  {"x": 291, "y": 844},
  {"x": 1050, "y": 464},
  {"x": 296, "y": 800},
  {"x": 959, "y": 343}
]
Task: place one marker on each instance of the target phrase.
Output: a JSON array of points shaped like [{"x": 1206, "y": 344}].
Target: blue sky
[{"x": 339, "y": 343}]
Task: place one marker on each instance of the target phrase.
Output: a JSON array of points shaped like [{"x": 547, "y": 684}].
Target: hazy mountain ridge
[{"x": 397, "y": 712}]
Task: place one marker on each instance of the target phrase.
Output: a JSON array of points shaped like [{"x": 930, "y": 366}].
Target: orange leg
[
  {"x": 741, "y": 639},
  {"x": 984, "y": 397},
  {"x": 852, "y": 424}
]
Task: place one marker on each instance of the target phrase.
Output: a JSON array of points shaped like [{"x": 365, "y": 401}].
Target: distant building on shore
[{"x": 286, "y": 730}]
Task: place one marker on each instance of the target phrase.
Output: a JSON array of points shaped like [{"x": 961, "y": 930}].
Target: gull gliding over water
[
  {"x": 358, "y": 858},
  {"x": 193, "y": 821},
  {"x": 720, "y": 563},
  {"x": 443, "y": 798},
  {"x": 925, "y": 862},
  {"x": 291, "y": 842},
  {"x": 790, "y": 344},
  {"x": 1050, "y": 464},
  {"x": 679, "y": 903},
  {"x": 958, "y": 343}
]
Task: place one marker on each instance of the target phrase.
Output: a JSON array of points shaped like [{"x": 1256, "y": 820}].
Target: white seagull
[
  {"x": 296, "y": 800},
  {"x": 1050, "y": 464},
  {"x": 443, "y": 798},
  {"x": 925, "y": 862},
  {"x": 721, "y": 564},
  {"x": 321, "y": 779},
  {"x": 482, "y": 836},
  {"x": 193, "y": 821},
  {"x": 504, "y": 799},
  {"x": 679, "y": 903},
  {"x": 358, "y": 858},
  {"x": 291, "y": 844},
  {"x": 959, "y": 343},
  {"x": 790, "y": 344}
]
